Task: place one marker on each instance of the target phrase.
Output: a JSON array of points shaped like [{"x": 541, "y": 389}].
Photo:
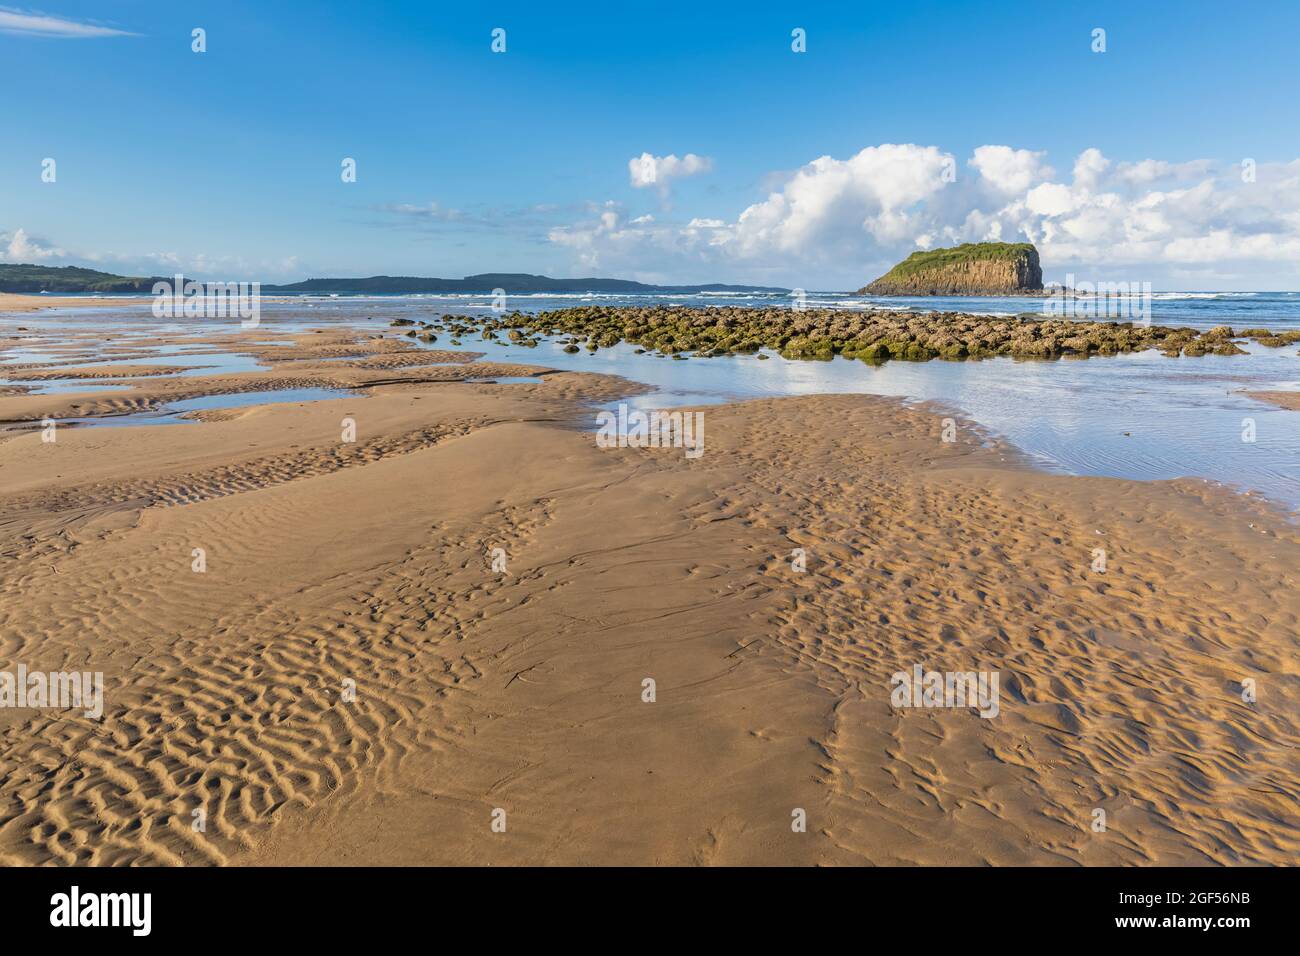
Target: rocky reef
[
  {"x": 874, "y": 337},
  {"x": 975, "y": 268}
]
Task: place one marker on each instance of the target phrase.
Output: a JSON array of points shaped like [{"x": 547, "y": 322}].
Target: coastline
[
  {"x": 1129, "y": 415},
  {"x": 475, "y": 690}
]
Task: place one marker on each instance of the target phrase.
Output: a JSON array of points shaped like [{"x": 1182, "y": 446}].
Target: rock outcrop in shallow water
[
  {"x": 975, "y": 268},
  {"x": 824, "y": 333}
]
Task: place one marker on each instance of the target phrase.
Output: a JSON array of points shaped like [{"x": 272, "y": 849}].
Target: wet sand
[
  {"x": 1281, "y": 399},
  {"x": 12, "y": 302},
  {"x": 350, "y": 681}
]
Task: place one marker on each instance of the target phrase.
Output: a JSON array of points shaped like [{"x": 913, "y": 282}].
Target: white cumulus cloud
[
  {"x": 838, "y": 222},
  {"x": 18, "y": 246},
  {"x": 1010, "y": 170},
  {"x": 647, "y": 170}
]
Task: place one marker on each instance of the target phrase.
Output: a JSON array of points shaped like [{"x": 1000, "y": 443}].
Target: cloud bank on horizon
[
  {"x": 833, "y": 217},
  {"x": 836, "y": 223},
  {"x": 18, "y": 246}
]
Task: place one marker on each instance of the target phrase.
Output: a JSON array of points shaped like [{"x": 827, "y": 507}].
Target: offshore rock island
[{"x": 975, "y": 268}]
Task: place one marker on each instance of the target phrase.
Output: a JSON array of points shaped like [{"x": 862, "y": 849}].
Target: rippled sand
[{"x": 367, "y": 566}]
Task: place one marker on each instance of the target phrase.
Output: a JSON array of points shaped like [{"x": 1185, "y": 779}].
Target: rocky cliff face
[{"x": 976, "y": 268}]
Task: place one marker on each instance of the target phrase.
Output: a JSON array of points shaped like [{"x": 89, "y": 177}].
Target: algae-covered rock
[
  {"x": 1229, "y": 348},
  {"x": 821, "y": 334},
  {"x": 1273, "y": 339}
]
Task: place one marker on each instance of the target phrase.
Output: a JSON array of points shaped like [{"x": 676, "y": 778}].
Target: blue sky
[{"x": 227, "y": 163}]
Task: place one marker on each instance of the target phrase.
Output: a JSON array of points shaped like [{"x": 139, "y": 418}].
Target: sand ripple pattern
[
  {"x": 1120, "y": 691},
  {"x": 191, "y": 487},
  {"x": 244, "y": 729}
]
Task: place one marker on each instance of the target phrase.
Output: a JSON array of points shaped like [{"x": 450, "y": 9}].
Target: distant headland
[
  {"x": 71, "y": 279},
  {"x": 506, "y": 281}
]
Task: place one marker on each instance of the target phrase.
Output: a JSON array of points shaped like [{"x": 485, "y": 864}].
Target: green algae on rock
[{"x": 821, "y": 334}]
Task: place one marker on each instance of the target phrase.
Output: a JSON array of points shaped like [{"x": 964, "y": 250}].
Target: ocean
[{"x": 1200, "y": 310}]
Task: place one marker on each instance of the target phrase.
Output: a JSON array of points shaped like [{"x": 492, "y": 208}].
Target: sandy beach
[
  {"x": 14, "y": 303},
  {"x": 430, "y": 644}
]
